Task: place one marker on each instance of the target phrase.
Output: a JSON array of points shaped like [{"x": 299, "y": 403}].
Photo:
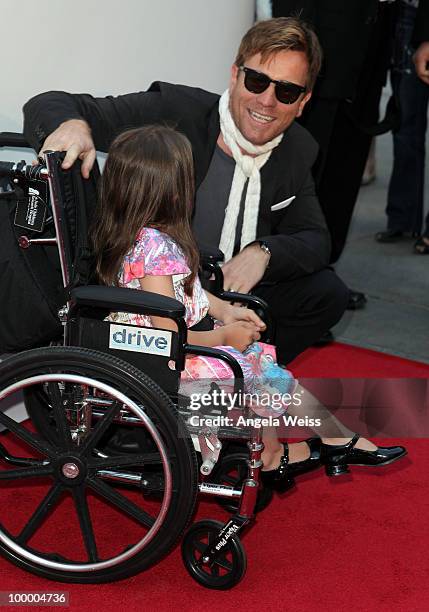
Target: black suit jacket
[
  {"x": 296, "y": 234},
  {"x": 421, "y": 29},
  {"x": 344, "y": 28}
]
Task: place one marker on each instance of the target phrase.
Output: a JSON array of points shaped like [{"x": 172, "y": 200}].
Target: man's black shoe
[
  {"x": 326, "y": 338},
  {"x": 356, "y": 301}
]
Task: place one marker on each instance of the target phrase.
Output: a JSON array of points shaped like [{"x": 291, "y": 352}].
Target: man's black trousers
[{"x": 304, "y": 309}]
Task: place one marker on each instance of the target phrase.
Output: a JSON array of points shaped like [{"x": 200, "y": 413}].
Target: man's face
[{"x": 261, "y": 117}]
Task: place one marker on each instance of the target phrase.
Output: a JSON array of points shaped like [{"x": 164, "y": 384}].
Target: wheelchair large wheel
[
  {"x": 229, "y": 566},
  {"x": 70, "y": 512}
]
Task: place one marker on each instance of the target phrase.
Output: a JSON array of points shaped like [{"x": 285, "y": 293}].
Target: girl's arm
[
  {"x": 164, "y": 286},
  {"x": 217, "y": 307},
  {"x": 239, "y": 334}
]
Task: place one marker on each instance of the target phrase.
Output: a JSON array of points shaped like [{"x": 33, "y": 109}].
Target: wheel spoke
[
  {"x": 200, "y": 546},
  {"x": 40, "y": 514},
  {"x": 214, "y": 569},
  {"x": 81, "y": 504},
  {"x": 101, "y": 428},
  {"x": 120, "y": 461},
  {"x": 28, "y": 472},
  {"x": 121, "y": 502},
  {"x": 59, "y": 414},
  {"x": 27, "y": 436},
  {"x": 222, "y": 562},
  {"x": 18, "y": 460}
]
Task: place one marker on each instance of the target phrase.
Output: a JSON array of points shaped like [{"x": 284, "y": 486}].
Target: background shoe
[
  {"x": 357, "y": 300},
  {"x": 421, "y": 247},
  {"x": 337, "y": 458},
  {"x": 394, "y": 236},
  {"x": 389, "y": 236}
]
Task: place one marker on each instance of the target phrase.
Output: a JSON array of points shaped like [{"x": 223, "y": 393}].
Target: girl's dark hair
[{"x": 148, "y": 181}]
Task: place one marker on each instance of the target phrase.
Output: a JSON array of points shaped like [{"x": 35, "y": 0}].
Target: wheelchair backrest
[
  {"x": 32, "y": 281},
  {"x": 42, "y": 208}
]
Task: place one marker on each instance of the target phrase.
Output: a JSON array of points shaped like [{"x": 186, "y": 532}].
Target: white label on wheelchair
[{"x": 140, "y": 340}]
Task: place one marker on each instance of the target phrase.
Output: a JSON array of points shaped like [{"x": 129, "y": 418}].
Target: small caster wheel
[
  {"x": 232, "y": 470},
  {"x": 229, "y": 566}
]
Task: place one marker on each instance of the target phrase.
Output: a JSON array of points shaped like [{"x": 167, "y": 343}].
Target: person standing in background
[
  {"x": 421, "y": 41},
  {"x": 421, "y": 61},
  {"x": 405, "y": 200},
  {"x": 343, "y": 112}
]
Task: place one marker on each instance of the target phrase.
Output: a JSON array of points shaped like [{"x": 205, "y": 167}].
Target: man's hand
[
  {"x": 245, "y": 270},
  {"x": 421, "y": 62},
  {"x": 74, "y": 137},
  {"x": 233, "y": 314}
]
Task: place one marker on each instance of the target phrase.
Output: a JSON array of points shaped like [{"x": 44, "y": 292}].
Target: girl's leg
[
  {"x": 314, "y": 409},
  {"x": 335, "y": 453},
  {"x": 274, "y": 450},
  {"x": 346, "y": 448},
  {"x": 199, "y": 369}
]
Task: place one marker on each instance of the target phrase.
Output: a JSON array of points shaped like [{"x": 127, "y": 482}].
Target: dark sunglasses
[{"x": 257, "y": 82}]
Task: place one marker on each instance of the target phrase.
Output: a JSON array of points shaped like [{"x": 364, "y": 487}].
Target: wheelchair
[{"x": 76, "y": 507}]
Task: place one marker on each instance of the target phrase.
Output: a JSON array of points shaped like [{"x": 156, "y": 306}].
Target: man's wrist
[{"x": 266, "y": 249}]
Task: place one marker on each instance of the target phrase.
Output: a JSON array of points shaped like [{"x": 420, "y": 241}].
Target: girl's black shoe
[
  {"x": 312, "y": 463},
  {"x": 279, "y": 479},
  {"x": 337, "y": 458}
]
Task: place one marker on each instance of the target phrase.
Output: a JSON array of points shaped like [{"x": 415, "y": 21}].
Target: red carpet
[
  {"x": 344, "y": 360},
  {"x": 360, "y": 542}
]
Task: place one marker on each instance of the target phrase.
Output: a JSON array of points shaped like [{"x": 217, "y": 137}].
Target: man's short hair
[{"x": 282, "y": 34}]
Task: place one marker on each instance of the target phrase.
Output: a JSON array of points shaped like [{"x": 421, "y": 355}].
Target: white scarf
[{"x": 246, "y": 167}]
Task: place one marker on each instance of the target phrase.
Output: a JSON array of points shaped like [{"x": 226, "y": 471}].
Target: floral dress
[{"x": 154, "y": 253}]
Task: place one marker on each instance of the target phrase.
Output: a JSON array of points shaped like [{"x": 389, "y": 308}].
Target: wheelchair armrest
[
  {"x": 13, "y": 139},
  {"x": 210, "y": 258},
  {"x": 210, "y": 255},
  {"x": 257, "y": 304},
  {"x": 128, "y": 300},
  {"x": 245, "y": 298},
  {"x": 217, "y": 353}
]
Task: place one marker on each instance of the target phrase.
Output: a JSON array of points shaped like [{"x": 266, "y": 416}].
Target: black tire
[
  {"x": 40, "y": 412},
  {"x": 228, "y": 568},
  {"x": 232, "y": 470},
  {"x": 159, "y": 416}
]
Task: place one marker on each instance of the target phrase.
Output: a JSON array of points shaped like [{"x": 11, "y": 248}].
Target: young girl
[{"x": 143, "y": 239}]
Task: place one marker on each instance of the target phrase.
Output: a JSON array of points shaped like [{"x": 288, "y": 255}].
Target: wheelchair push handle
[
  {"x": 13, "y": 139},
  {"x": 6, "y": 169},
  {"x": 13, "y": 170}
]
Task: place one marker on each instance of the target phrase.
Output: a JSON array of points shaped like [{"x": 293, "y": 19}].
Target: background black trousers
[
  {"x": 342, "y": 129},
  {"x": 339, "y": 169}
]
